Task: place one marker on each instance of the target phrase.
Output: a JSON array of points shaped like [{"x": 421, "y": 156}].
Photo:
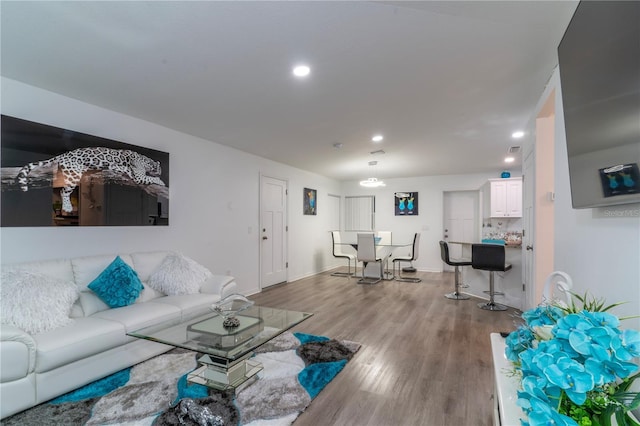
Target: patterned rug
[{"x": 297, "y": 367}]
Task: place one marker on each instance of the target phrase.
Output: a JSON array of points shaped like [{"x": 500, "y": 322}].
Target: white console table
[{"x": 505, "y": 410}]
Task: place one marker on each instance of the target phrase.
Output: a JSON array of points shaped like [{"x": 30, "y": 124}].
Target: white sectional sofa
[{"x": 38, "y": 367}]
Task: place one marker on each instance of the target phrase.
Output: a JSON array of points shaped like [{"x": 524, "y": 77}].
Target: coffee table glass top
[{"x": 206, "y": 334}]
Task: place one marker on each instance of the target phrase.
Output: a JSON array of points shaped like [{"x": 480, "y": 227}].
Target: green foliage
[{"x": 587, "y": 303}]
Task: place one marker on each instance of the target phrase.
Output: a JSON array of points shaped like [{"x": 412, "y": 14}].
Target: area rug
[{"x": 297, "y": 367}]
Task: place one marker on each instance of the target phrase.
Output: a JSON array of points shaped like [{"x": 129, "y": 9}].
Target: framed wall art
[
  {"x": 58, "y": 177},
  {"x": 309, "y": 203},
  {"x": 406, "y": 203}
]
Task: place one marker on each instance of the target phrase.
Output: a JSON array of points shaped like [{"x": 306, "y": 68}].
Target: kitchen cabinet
[{"x": 504, "y": 196}]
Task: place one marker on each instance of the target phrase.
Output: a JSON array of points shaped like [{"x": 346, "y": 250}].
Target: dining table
[{"x": 384, "y": 250}]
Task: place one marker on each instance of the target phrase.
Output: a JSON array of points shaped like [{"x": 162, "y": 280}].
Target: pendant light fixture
[{"x": 372, "y": 182}]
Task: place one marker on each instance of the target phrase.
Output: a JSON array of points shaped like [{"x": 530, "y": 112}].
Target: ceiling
[{"x": 446, "y": 83}]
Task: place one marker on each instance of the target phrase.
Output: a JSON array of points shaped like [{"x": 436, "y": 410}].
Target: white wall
[
  {"x": 214, "y": 198},
  {"x": 429, "y": 221},
  {"x": 597, "y": 247}
]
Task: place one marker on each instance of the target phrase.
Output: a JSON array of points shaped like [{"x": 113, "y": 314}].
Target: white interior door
[
  {"x": 273, "y": 231},
  {"x": 460, "y": 220},
  {"x": 528, "y": 270},
  {"x": 333, "y": 208}
]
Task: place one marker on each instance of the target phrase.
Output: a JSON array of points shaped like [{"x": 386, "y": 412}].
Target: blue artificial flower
[
  {"x": 517, "y": 341},
  {"x": 602, "y": 319},
  {"x": 609, "y": 371},
  {"x": 570, "y": 323},
  {"x": 542, "y": 414},
  {"x": 569, "y": 357},
  {"x": 572, "y": 377},
  {"x": 601, "y": 374},
  {"x": 629, "y": 345},
  {"x": 529, "y": 364},
  {"x": 542, "y": 315},
  {"x": 591, "y": 341}
]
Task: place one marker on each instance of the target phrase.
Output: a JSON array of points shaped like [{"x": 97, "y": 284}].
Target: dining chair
[
  {"x": 338, "y": 252},
  {"x": 366, "y": 254},
  {"x": 414, "y": 255},
  {"x": 384, "y": 250}
]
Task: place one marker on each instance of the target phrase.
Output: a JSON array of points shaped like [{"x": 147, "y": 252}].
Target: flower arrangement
[{"x": 575, "y": 364}]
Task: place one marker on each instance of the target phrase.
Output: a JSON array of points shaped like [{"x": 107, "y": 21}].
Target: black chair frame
[
  {"x": 414, "y": 256},
  {"x": 457, "y": 264},
  {"x": 490, "y": 257}
]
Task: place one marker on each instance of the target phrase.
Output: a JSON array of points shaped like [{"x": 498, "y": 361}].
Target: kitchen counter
[{"x": 509, "y": 282}]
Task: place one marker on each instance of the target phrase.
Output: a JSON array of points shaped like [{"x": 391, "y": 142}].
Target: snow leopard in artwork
[{"x": 73, "y": 164}]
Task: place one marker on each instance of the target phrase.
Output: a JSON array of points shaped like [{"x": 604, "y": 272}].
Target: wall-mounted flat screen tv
[{"x": 599, "y": 62}]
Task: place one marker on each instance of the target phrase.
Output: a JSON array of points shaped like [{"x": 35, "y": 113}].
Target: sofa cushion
[
  {"x": 14, "y": 362},
  {"x": 82, "y": 339},
  {"x": 76, "y": 310},
  {"x": 18, "y": 353},
  {"x": 149, "y": 294},
  {"x": 91, "y": 303},
  {"x": 35, "y": 302},
  {"x": 140, "y": 315},
  {"x": 178, "y": 274},
  {"x": 190, "y": 304},
  {"x": 59, "y": 268},
  {"x": 86, "y": 269},
  {"x": 118, "y": 285},
  {"x": 145, "y": 263}
]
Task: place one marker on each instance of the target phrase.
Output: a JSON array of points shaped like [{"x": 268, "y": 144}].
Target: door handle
[
  {"x": 529, "y": 247},
  {"x": 264, "y": 238}
]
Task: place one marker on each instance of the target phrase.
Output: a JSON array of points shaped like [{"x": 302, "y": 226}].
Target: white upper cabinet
[{"x": 505, "y": 197}]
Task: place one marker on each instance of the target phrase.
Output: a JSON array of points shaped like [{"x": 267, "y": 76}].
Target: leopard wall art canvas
[{"x": 57, "y": 177}]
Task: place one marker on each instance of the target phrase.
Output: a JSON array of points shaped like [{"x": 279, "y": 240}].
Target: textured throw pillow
[
  {"x": 36, "y": 302},
  {"x": 178, "y": 274},
  {"x": 118, "y": 285}
]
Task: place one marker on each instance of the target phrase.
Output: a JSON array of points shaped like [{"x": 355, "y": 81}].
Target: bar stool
[
  {"x": 444, "y": 254},
  {"x": 490, "y": 257}
]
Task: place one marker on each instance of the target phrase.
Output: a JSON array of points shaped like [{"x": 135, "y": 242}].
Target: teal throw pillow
[{"x": 118, "y": 285}]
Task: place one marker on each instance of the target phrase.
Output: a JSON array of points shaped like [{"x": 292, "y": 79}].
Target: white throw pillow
[
  {"x": 36, "y": 302},
  {"x": 178, "y": 274}
]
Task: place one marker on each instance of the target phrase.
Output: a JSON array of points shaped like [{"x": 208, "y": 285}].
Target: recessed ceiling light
[
  {"x": 301, "y": 70},
  {"x": 377, "y": 138},
  {"x": 509, "y": 160},
  {"x": 517, "y": 135}
]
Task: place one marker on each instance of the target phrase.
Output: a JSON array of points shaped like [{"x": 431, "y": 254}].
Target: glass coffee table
[{"x": 224, "y": 353}]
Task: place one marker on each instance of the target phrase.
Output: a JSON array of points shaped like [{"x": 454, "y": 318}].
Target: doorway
[
  {"x": 544, "y": 211},
  {"x": 273, "y": 231},
  {"x": 528, "y": 234},
  {"x": 460, "y": 220},
  {"x": 335, "y": 224},
  {"x": 539, "y": 211},
  {"x": 333, "y": 201}
]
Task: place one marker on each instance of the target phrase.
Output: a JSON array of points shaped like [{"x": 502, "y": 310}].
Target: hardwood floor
[{"x": 425, "y": 359}]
